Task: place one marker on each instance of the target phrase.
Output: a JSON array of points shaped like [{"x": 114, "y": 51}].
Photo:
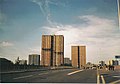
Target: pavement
[{"x": 62, "y": 76}]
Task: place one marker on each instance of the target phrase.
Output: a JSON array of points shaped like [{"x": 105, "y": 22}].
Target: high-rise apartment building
[
  {"x": 78, "y": 56},
  {"x": 34, "y": 59},
  {"x": 52, "y": 53}
]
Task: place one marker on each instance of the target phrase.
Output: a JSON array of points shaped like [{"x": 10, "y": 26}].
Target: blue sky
[{"x": 93, "y": 23}]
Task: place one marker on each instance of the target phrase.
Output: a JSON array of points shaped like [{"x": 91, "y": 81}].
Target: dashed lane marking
[
  {"x": 74, "y": 72},
  {"x": 103, "y": 80},
  {"x": 23, "y": 77},
  {"x": 98, "y": 79}
]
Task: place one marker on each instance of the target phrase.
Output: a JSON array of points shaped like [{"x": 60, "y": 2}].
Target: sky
[{"x": 93, "y": 23}]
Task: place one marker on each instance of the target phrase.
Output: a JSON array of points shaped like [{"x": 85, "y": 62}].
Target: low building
[
  {"x": 113, "y": 62},
  {"x": 102, "y": 63},
  {"x": 23, "y": 62},
  {"x": 6, "y": 64},
  {"x": 67, "y": 61}
]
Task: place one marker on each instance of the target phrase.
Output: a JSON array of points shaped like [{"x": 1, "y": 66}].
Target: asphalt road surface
[
  {"x": 105, "y": 76},
  {"x": 61, "y": 76}
]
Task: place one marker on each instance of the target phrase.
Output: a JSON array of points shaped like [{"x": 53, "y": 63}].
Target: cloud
[
  {"x": 34, "y": 50},
  {"x": 6, "y": 44},
  {"x": 95, "y": 28},
  {"x": 100, "y": 35},
  {"x": 45, "y": 9}
]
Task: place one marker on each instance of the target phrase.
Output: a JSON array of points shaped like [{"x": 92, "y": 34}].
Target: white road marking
[
  {"x": 98, "y": 79},
  {"x": 74, "y": 72},
  {"x": 23, "y": 77},
  {"x": 115, "y": 82},
  {"x": 117, "y": 76},
  {"x": 103, "y": 80}
]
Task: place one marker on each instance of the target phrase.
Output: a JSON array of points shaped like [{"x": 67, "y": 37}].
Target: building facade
[
  {"x": 23, "y": 62},
  {"x": 52, "y": 53},
  {"x": 113, "y": 62},
  {"x": 67, "y": 61},
  {"x": 78, "y": 54},
  {"x": 102, "y": 63},
  {"x": 34, "y": 59}
]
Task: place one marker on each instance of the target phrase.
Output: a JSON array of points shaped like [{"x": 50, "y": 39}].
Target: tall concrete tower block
[
  {"x": 75, "y": 56},
  {"x": 52, "y": 53},
  {"x": 78, "y": 54},
  {"x": 82, "y": 56},
  {"x": 59, "y": 49},
  {"x": 46, "y": 50}
]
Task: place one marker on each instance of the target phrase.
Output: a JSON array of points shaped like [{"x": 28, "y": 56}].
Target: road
[
  {"x": 59, "y": 76},
  {"x": 105, "y": 76}
]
